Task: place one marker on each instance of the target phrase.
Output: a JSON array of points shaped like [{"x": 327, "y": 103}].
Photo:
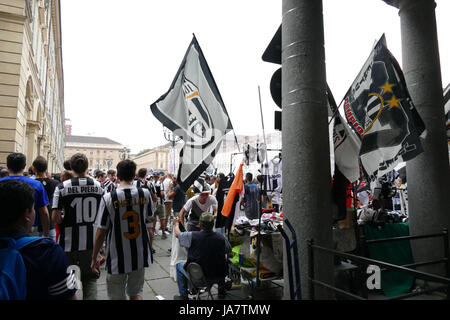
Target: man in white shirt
[{"x": 195, "y": 206}]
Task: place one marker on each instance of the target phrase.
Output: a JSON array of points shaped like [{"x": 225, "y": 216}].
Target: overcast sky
[{"x": 120, "y": 56}]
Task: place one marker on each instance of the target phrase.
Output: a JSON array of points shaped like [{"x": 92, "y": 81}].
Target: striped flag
[
  {"x": 194, "y": 110},
  {"x": 382, "y": 116}
]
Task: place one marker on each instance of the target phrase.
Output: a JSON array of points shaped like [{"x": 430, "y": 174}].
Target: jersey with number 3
[
  {"x": 125, "y": 214},
  {"x": 79, "y": 198}
]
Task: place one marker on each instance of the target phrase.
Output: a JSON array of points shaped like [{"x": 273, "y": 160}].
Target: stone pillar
[
  {"x": 428, "y": 174},
  {"x": 306, "y": 158},
  {"x": 32, "y": 131}
]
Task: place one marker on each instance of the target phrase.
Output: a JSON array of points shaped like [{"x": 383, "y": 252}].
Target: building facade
[
  {"x": 156, "y": 159},
  {"x": 102, "y": 153},
  {"x": 31, "y": 81}
]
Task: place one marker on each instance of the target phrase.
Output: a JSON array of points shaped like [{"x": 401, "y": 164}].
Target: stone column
[
  {"x": 428, "y": 174},
  {"x": 32, "y": 131},
  {"x": 306, "y": 158}
]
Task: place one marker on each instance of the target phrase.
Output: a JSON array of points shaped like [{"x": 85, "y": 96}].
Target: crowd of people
[{"x": 66, "y": 226}]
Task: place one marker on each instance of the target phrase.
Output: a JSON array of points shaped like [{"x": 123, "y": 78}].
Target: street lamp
[{"x": 173, "y": 139}]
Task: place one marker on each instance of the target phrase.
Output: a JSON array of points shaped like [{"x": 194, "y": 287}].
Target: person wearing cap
[
  {"x": 194, "y": 207},
  {"x": 208, "y": 249}
]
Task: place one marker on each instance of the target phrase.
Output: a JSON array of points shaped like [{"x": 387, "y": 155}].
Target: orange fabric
[{"x": 236, "y": 188}]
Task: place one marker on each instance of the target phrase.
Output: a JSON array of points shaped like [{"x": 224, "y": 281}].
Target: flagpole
[
  {"x": 335, "y": 112},
  {"x": 262, "y": 119}
]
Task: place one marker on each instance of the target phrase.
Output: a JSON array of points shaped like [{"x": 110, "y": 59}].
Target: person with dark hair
[
  {"x": 110, "y": 182},
  {"x": 66, "y": 165},
  {"x": 66, "y": 175},
  {"x": 141, "y": 182},
  {"x": 16, "y": 163},
  {"x": 252, "y": 197},
  {"x": 99, "y": 176},
  {"x": 128, "y": 243},
  {"x": 208, "y": 249},
  {"x": 264, "y": 197},
  {"x": 30, "y": 172},
  {"x": 39, "y": 168},
  {"x": 3, "y": 172},
  {"x": 80, "y": 199},
  {"x": 47, "y": 270}
]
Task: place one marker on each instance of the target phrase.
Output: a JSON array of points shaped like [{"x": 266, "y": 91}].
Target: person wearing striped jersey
[
  {"x": 124, "y": 219},
  {"x": 79, "y": 198},
  {"x": 110, "y": 183},
  {"x": 141, "y": 182}
]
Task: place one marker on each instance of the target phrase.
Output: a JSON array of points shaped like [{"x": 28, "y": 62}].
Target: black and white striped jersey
[
  {"x": 125, "y": 213},
  {"x": 80, "y": 200},
  {"x": 109, "y": 185}
]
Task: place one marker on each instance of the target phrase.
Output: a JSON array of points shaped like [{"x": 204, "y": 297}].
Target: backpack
[{"x": 12, "y": 268}]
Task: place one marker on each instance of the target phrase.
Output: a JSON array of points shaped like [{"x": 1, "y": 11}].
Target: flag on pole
[
  {"x": 235, "y": 190},
  {"x": 194, "y": 110},
  {"x": 382, "y": 116},
  {"x": 346, "y": 144}
]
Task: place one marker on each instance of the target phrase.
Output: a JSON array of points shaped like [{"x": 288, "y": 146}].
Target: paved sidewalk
[{"x": 157, "y": 277}]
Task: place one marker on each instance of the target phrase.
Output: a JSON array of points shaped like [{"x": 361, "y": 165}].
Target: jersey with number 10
[{"x": 80, "y": 199}]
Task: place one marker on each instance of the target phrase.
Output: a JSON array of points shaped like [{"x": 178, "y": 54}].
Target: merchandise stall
[{"x": 257, "y": 255}]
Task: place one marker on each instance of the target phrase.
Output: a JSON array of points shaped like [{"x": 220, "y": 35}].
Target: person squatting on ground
[
  {"x": 16, "y": 163},
  {"x": 208, "y": 249},
  {"x": 48, "y": 276},
  {"x": 195, "y": 206},
  {"x": 125, "y": 214},
  {"x": 79, "y": 198}
]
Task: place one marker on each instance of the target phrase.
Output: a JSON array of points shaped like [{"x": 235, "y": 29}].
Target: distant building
[
  {"x": 102, "y": 153},
  {"x": 68, "y": 127},
  {"x": 156, "y": 159}
]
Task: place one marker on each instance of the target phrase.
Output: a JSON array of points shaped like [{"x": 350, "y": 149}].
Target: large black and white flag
[
  {"x": 382, "y": 115},
  {"x": 193, "y": 109}
]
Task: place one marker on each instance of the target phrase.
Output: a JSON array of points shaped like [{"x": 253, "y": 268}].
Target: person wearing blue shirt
[
  {"x": 16, "y": 163},
  {"x": 252, "y": 197},
  {"x": 48, "y": 274}
]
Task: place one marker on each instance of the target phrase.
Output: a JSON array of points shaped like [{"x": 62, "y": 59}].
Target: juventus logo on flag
[
  {"x": 385, "y": 125},
  {"x": 194, "y": 110}
]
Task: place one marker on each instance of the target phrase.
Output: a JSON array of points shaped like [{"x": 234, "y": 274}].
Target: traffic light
[{"x": 273, "y": 54}]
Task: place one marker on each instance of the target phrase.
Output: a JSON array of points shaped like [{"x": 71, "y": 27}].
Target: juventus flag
[
  {"x": 193, "y": 109},
  {"x": 385, "y": 124}
]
